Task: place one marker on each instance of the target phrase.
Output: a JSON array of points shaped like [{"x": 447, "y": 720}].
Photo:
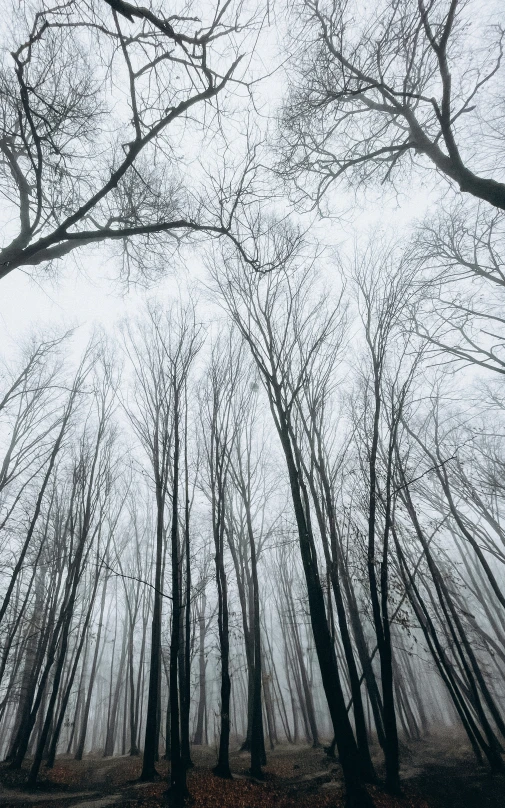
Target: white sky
[{"x": 85, "y": 292}]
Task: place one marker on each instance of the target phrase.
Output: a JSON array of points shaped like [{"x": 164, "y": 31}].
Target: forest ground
[{"x": 438, "y": 772}]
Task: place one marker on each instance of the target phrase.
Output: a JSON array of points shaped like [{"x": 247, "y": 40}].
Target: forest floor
[{"x": 438, "y": 772}]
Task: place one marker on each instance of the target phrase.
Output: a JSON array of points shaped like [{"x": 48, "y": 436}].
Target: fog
[{"x": 251, "y": 409}]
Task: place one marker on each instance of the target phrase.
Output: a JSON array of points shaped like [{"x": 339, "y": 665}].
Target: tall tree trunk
[
  {"x": 380, "y": 604},
  {"x": 356, "y": 793},
  {"x": 332, "y": 562},
  {"x": 186, "y": 683},
  {"x": 223, "y": 765},
  {"x": 258, "y": 757},
  {"x": 151, "y": 731},
  {"x": 178, "y": 789}
]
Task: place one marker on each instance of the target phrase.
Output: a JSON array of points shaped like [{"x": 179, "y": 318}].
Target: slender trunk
[
  {"x": 67, "y": 613},
  {"x": 444, "y": 668},
  {"x": 202, "y": 666},
  {"x": 78, "y": 701},
  {"x": 151, "y": 731},
  {"x": 63, "y": 707},
  {"x": 140, "y": 674},
  {"x": 186, "y": 683},
  {"x": 334, "y": 575},
  {"x": 223, "y": 765},
  {"x": 38, "y": 505},
  {"x": 347, "y": 747},
  {"x": 134, "y": 751},
  {"x": 305, "y": 694},
  {"x": 84, "y": 726},
  {"x": 278, "y": 692},
  {"x": 112, "y": 722},
  {"x": 460, "y": 640},
  {"x": 178, "y": 789},
  {"x": 258, "y": 757},
  {"x": 379, "y": 605}
]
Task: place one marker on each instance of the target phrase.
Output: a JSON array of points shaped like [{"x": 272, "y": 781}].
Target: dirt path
[{"x": 10, "y": 796}]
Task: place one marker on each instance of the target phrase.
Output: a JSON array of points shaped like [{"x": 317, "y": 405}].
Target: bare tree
[
  {"x": 150, "y": 411},
  {"x": 96, "y": 100},
  {"x": 281, "y": 328},
  {"x": 23, "y": 445},
  {"x": 161, "y": 353},
  {"x": 434, "y": 597},
  {"x": 460, "y": 255},
  {"x": 399, "y": 81},
  {"x": 247, "y": 476},
  {"x": 217, "y": 417},
  {"x": 385, "y": 291},
  {"x": 28, "y": 414}
]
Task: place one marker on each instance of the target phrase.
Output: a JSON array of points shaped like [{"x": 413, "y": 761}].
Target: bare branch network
[{"x": 100, "y": 105}]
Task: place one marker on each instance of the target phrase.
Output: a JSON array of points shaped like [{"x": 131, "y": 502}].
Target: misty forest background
[{"x": 263, "y": 505}]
